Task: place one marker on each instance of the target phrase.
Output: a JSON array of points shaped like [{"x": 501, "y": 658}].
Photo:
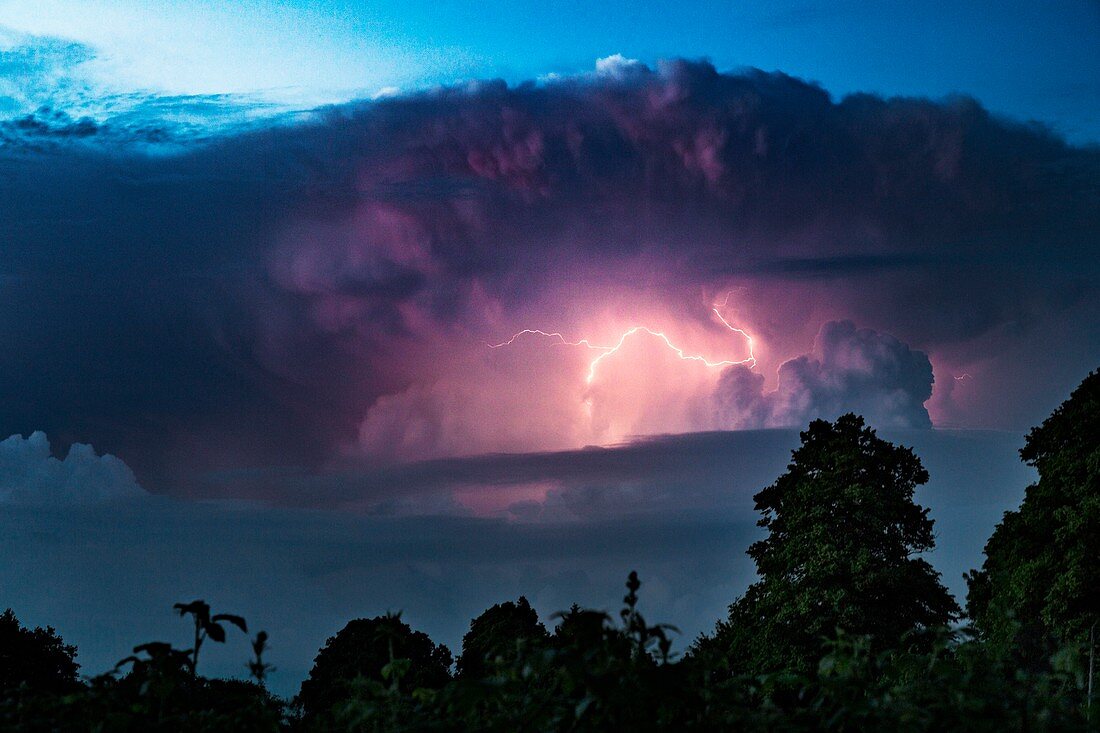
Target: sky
[
  {"x": 381, "y": 275},
  {"x": 1029, "y": 60}
]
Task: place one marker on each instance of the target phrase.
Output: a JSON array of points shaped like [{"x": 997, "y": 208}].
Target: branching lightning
[
  {"x": 554, "y": 335},
  {"x": 606, "y": 351},
  {"x": 751, "y": 360}
]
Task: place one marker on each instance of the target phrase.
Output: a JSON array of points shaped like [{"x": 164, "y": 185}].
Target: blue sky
[{"x": 1028, "y": 60}]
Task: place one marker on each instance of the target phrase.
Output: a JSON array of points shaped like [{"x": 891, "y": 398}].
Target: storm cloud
[
  {"x": 323, "y": 286},
  {"x": 849, "y": 370}
]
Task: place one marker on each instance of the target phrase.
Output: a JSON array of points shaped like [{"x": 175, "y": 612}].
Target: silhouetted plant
[
  {"x": 159, "y": 675},
  {"x": 207, "y": 626},
  {"x": 1039, "y": 586},
  {"x": 159, "y": 656},
  {"x": 257, "y": 667},
  {"x": 635, "y": 626}
]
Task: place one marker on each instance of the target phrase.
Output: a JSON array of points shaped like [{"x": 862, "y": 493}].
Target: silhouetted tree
[
  {"x": 843, "y": 532},
  {"x": 498, "y": 636},
  {"x": 1039, "y": 586},
  {"x": 34, "y": 659},
  {"x": 365, "y": 649}
]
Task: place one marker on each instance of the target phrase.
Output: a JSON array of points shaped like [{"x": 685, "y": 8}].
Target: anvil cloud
[{"x": 318, "y": 289}]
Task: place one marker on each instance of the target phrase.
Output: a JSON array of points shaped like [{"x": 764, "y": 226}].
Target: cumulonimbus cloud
[
  {"x": 849, "y": 370},
  {"x": 296, "y": 290}
]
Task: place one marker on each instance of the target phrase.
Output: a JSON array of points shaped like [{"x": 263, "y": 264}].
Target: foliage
[
  {"x": 207, "y": 626},
  {"x": 591, "y": 675},
  {"x": 498, "y": 636},
  {"x": 373, "y": 655},
  {"x": 257, "y": 667},
  {"x": 841, "y": 551},
  {"x": 162, "y": 692},
  {"x": 154, "y": 689},
  {"x": 34, "y": 659},
  {"x": 1039, "y": 586}
]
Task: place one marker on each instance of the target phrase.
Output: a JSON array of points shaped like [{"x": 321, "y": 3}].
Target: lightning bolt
[
  {"x": 751, "y": 360},
  {"x": 963, "y": 376},
  {"x": 606, "y": 351},
  {"x": 536, "y": 332}
]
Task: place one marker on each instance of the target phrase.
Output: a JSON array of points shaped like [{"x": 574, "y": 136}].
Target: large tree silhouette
[
  {"x": 1039, "y": 586},
  {"x": 842, "y": 554}
]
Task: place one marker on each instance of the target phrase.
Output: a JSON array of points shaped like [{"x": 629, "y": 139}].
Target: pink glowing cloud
[
  {"x": 302, "y": 293},
  {"x": 634, "y": 331}
]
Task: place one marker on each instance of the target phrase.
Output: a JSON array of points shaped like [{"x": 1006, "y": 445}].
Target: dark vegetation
[{"x": 847, "y": 629}]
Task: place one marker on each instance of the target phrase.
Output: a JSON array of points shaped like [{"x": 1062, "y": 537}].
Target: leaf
[
  {"x": 215, "y": 632},
  {"x": 200, "y": 609},
  {"x": 128, "y": 660},
  {"x": 398, "y": 668},
  {"x": 154, "y": 648},
  {"x": 237, "y": 621}
]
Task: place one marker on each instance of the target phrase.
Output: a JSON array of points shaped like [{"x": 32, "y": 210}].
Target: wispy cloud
[{"x": 53, "y": 88}]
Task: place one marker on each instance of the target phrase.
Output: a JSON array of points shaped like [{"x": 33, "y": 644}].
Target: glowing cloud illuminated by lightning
[{"x": 606, "y": 351}]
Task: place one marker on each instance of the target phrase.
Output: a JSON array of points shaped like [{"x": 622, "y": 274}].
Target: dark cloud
[
  {"x": 664, "y": 475},
  {"x": 271, "y": 296},
  {"x": 849, "y": 370}
]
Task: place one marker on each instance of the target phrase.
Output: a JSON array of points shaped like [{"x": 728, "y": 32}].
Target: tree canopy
[
  {"x": 362, "y": 650},
  {"x": 498, "y": 634},
  {"x": 35, "y": 659},
  {"x": 842, "y": 553},
  {"x": 1039, "y": 585}
]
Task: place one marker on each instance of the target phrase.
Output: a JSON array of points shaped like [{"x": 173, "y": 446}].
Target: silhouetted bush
[
  {"x": 381, "y": 652},
  {"x": 154, "y": 689},
  {"x": 498, "y": 636},
  {"x": 34, "y": 660}
]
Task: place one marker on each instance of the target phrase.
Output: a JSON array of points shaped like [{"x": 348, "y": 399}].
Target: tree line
[{"x": 847, "y": 628}]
